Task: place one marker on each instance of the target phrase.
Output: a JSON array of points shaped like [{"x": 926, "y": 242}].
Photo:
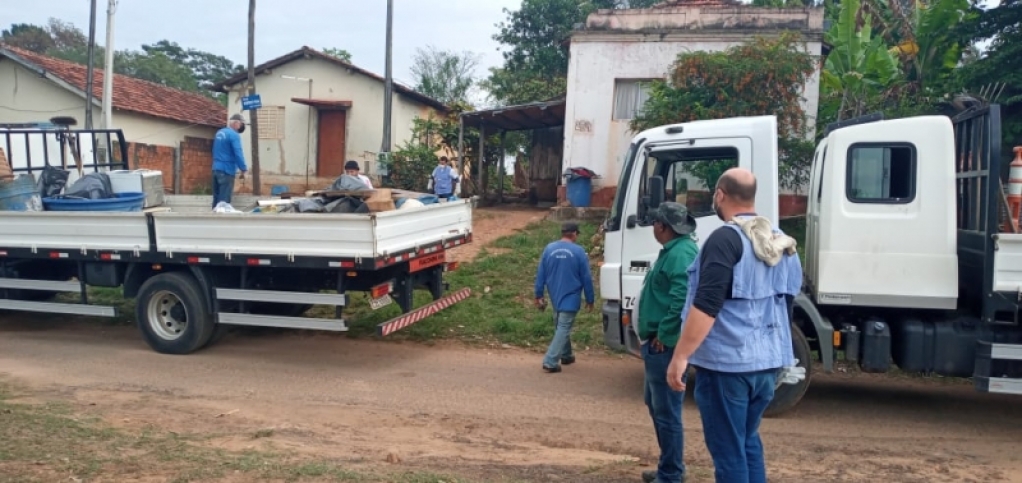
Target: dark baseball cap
[
  {"x": 676, "y": 216},
  {"x": 569, "y": 227},
  {"x": 352, "y": 165}
]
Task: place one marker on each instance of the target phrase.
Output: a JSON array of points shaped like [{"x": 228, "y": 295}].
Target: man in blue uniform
[
  {"x": 228, "y": 159},
  {"x": 564, "y": 272},
  {"x": 736, "y": 330},
  {"x": 443, "y": 179}
]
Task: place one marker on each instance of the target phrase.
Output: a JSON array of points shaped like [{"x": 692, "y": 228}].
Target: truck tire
[
  {"x": 171, "y": 313},
  {"x": 787, "y": 396}
]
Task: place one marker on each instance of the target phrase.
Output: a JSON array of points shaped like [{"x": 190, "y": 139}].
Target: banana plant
[{"x": 860, "y": 66}]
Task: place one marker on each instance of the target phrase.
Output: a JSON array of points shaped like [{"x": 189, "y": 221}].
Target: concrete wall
[
  {"x": 289, "y": 160},
  {"x": 643, "y": 44},
  {"x": 26, "y": 97}
]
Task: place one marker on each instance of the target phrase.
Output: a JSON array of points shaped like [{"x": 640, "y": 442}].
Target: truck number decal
[{"x": 629, "y": 303}]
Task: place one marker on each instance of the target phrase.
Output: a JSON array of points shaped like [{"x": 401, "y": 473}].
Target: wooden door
[{"x": 330, "y": 153}]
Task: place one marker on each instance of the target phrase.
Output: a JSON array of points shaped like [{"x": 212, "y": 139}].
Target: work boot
[
  {"x": 552, "y": 369},
  {"x": 567, "y": 361}
]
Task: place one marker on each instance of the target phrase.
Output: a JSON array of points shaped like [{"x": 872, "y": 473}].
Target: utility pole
[
  {"x": 257, "y": 188},
  {"x": 91, "y": 67},
  {"x": 388, "y": 91},
  {"x": 108, "y": 67}
]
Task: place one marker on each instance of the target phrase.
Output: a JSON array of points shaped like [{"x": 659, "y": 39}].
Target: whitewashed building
[{"x": 618, "y": 52}]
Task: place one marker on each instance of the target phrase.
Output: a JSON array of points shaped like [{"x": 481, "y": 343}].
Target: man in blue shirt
[
  {"x": 564, "y": 272},
  {"x": 228, "y": 159},
  {"x": 443, "y": 178},
  {"x": 736, "y": 330}
]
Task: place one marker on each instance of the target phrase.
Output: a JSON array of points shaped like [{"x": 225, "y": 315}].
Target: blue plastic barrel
[
  {"x": 122, "y": 202},
  {"x": 19, "y": 195},
  {"x": 580, "y": 192}
]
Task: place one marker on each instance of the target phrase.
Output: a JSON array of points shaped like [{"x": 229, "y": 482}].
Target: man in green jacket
[{"x": 660, "y": 304}]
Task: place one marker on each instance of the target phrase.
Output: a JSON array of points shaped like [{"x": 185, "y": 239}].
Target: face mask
[
  {"x": 714, "y": 207},
  {"x": 241, "y": 129}
]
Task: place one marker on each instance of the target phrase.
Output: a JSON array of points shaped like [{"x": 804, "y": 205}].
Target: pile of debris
[{"x": 348, "y": 194}]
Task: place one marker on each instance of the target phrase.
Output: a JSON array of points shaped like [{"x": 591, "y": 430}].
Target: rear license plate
[{"x": 381, "y": 302}]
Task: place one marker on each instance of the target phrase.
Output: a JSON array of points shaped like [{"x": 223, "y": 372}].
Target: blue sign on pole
[{"x": 251, "y": 103}]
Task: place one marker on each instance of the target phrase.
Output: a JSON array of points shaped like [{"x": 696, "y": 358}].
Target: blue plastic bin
[
  {"x": 580, "y": 192},
  {"x": 17, "y": 195},
  {"x": 122, "y": 202}
]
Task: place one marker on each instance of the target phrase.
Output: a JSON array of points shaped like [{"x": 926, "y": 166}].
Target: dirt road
[{"x": 489, "y": 415}]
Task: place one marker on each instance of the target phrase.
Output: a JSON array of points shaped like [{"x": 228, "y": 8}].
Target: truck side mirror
[{"x": 655, "y": 188}]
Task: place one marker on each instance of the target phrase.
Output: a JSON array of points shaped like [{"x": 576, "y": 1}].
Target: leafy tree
[
  {"x": 443, "y": 75},
  {"x": 536, "y": 62},
  {"x": 761, "y": 77},
  {"x": 339, "y": 53},
  {"x": 28, "y": 37},
  {"x": 1000, "y": 64}
]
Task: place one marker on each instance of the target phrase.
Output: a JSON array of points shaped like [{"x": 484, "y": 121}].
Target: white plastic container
[{"x": 146, "y": 181}]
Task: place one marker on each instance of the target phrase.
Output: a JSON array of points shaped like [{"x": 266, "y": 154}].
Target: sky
[{"x": 282, "y": 26}]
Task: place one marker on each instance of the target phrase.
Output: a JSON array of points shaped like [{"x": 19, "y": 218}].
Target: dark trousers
[
  {"x": 223, "y": 187},
  {"x": 731, "y": 406},
  {"x": 664, "y": 406}
]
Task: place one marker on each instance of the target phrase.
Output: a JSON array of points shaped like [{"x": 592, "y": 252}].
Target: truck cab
[{"x": 686, "y": 159}]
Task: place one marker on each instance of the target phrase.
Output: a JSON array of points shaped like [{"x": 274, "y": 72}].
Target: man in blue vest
[
  {"x": 736, "y": 331},
  {"x": 443, "y": 179},
  {"x": 228, "y": 159}
]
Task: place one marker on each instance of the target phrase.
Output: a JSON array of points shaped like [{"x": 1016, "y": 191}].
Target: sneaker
[
  {"x": 552, "y": 369},
  {"x": 568, "y": 360}
]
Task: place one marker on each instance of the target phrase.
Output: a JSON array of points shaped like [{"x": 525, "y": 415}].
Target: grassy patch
[
  {"x": 50, "y": 443},
  {"x": 501, "y": 306}
]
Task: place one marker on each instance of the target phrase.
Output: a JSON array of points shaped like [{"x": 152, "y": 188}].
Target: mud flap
[{"x": 402, "y": 321}]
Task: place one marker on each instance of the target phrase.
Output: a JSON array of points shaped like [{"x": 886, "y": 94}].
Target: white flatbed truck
[
  {"x": 194, "y": 272},
  {"x": 906, "y": 262}
]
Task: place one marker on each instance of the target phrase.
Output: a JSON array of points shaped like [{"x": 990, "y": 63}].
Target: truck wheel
[
  {"x": 787, "y": 396},
  {"x": 171, "y": 314}
]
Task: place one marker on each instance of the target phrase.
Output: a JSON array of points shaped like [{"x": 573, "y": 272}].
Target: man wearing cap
[
  {"x": 660, "y": 304},
  {"x": 228, "y": 159},
  {"x": 564, "y": 272},
  {"x": 351, "y": 169}
]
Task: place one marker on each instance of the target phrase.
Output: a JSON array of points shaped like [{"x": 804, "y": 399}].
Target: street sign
[{"x": 251, "y": 103}]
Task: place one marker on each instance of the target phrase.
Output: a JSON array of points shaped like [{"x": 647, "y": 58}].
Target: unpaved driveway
[{"x": 491, "y": 414}]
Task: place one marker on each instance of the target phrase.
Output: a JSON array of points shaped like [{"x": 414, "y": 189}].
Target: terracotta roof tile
[{"x": 130, "y": 94}]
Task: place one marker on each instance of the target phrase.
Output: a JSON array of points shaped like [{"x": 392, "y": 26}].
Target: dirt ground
[
  {"x": 492, "y": 414},
  {"x": 489, "y": 415}
]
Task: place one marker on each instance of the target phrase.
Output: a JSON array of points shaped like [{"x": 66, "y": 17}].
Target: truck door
[
  {"x": 815, "y": 199},
  {"x": 690, "y": 169}
]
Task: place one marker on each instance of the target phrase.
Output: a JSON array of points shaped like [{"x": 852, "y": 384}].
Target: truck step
[
  {"x": 998, "y": 368},
  {"x": 999, "y": 385},
  {"x": 333, "y": 325}
]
